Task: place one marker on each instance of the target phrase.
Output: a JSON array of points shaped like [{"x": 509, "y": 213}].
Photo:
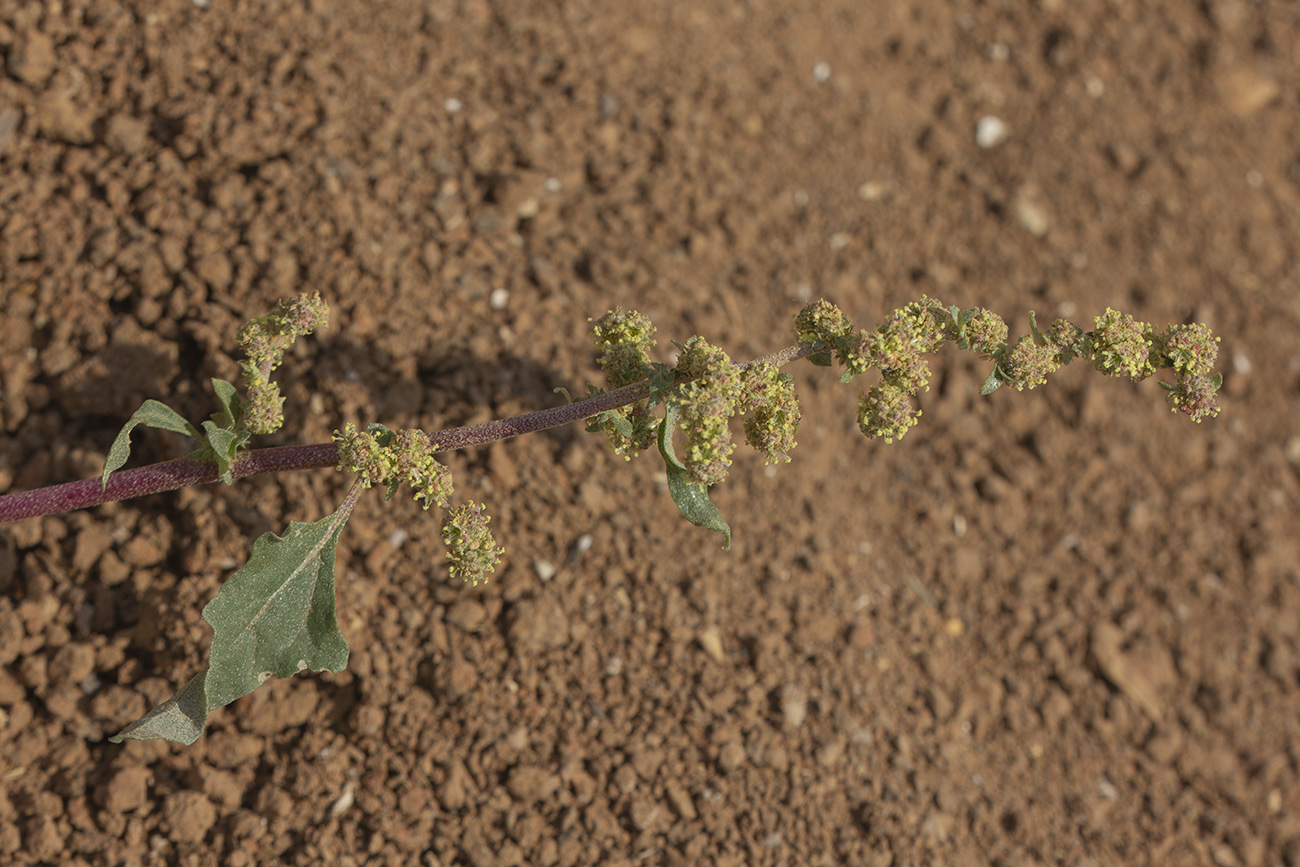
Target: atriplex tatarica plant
[{"x": 276, "y": 617}]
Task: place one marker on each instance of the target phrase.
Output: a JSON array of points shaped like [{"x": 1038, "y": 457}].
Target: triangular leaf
[
  {"x": 274, "y": 617},
  {"x": 180, "y": 718},
  {"x": 692, "y": 499},
  {"x": 992, "y": 384},
  {"x": 151, "y": 413}
]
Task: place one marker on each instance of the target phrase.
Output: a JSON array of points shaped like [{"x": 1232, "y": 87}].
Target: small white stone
[
  {"x": 545, "y": 569},
  {"x": 552, "y": 185},
  {"x": 821, "y": 73},
  {"x": 990, "y": 131},
  {"x": 499, "y": 298},
  {"x": 453, "y": 105},
  {"x": 341, "y": 804}
]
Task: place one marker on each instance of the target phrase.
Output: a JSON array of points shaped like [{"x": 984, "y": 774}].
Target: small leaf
[
  {"x": 276, "y": 616},
  {"x": 1039, "y": 338},
  {"x": 153, "y": 414},
  {"x": 822, "y": 358},
  {"x": 692, "y": 499},
  {"x": 223, "y": 446},
  {"x": 992, "y": 384},
  {"x": 232, "y": 407},
  {"x": 618, "y": 420}
]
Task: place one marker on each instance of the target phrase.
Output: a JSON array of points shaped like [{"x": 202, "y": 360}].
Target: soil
[{"x": 1052, "y": 627}]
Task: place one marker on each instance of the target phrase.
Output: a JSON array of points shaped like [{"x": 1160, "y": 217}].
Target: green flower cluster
[
  {"x": 1118, "y": 346},
  {"x": 472, "y": 553},
  {"x": 382, "y": 457},
  {"x": 772, "y": 411},
  {"x": 389, "y": 458},
  {"x": 264, "y": 341},
  {"x": 707, "y": 400},
  {"x": 624, "y": 339}
]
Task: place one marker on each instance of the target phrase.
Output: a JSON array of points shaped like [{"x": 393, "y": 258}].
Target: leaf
[
  {"x": 692, "y": 499},
  {"x": 232, "y": 406},
  {"x": 992, "y": 384},
  {"x": 153, "y": 414},
  {"x": 822, "y": 358},
  {"x": 223, "y": 446},
  {"x": 274, "y": 617}
]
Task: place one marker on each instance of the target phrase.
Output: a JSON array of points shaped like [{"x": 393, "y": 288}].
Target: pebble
[
  {"x": 990, "y": 131},
  {"x": 126, "y": 790},
  {"x": 33, "y": 58},
  {"x": 531, "y": 784},
  {"x": 188, "y": 816},
  {"x": 711, "y": 641},
  {"x": 467, "y": 615},
  {"x": 794, "y": 706},
  {"x": 539, "y": 625}
]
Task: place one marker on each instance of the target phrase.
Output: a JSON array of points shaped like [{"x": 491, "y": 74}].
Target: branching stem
[{"x": 183, "y": 472}]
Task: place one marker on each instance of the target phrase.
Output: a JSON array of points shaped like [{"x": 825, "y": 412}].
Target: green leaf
[
  {"x": 992, "y": 384},
  {"x": 153, "y": 414},
  {"x": 274, "y": 617},
  {"x": 232, "y": 406},
  {"x": 692, "y": 499},
  {"x": 223, "y": 447},
  {"x": 822, "y": 358}
]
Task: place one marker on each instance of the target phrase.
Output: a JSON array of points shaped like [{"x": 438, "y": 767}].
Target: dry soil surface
[{"x": 1051, "y": 627}]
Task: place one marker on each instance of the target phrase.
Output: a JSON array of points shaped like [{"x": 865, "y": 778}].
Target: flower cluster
[
  {"x": 389, "y": 458},
  {"x": 707, "y": 402},
  {"x": 1121, "y": 346},
  {"x": 772, "y": 411},
  {"x": 382, "y": 457},
  {"x": 624, "y": 339},
  {"x": 472, "y": 553},
  {"x": 707, "y": 388},
  {"x": 264, "y": 341},
  {"x": 1118, "y": 346}
]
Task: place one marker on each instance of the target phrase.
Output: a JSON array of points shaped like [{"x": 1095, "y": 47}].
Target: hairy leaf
[
  {"x": 692, "y": 499},
  {"x": 151, "y": 413},
  {"x": 232, "y": 406},
  {"x": 274, "y": 617}
]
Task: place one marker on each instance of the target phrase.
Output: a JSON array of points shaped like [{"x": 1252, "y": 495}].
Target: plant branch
[{"x": 183, "y": 472}]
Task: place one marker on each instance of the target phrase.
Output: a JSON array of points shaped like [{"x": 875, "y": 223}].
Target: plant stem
[{"x": 183, "y": 472}]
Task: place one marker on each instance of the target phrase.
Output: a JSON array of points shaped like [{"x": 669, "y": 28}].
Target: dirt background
[{"x": 1057, "y": 627}]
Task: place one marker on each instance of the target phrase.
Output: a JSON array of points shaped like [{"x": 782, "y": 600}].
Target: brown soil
[{"x": 1057, "y": 627}]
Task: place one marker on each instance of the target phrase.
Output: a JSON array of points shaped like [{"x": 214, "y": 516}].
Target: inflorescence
[{"x": 705, "y": 390}]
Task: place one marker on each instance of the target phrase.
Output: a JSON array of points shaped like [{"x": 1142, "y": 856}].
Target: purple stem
[{"x": 183, "y": 472}]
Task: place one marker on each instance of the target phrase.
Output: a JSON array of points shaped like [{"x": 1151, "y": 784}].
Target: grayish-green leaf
[
  {"x": 223, "y": 447},
  {"x": 180, "y": 718},
  {"x": 274, "y": 617},
  {"x": 992, "y": 383},
  {"x": 232, "y": 406},
  {"x": 151, "y": 413},
  {"x": 692, "y": 499}
]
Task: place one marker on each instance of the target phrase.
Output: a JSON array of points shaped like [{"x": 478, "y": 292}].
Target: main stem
[{"x": 183, "y": 472}]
